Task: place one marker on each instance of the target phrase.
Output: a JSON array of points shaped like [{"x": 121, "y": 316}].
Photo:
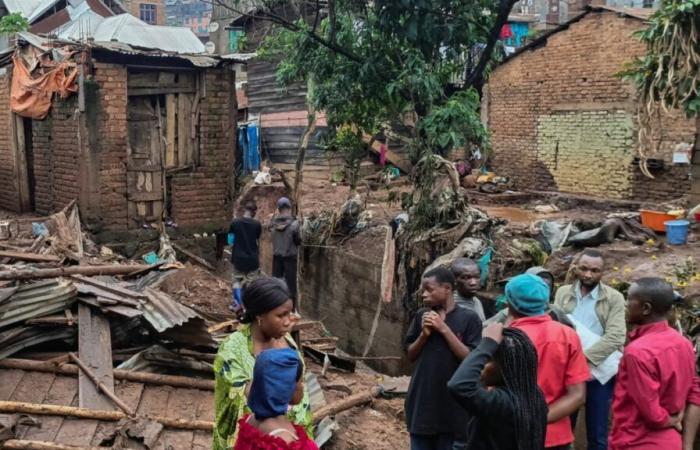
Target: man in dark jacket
[
  {"x": 286, "y": 238},
  {"x": 244, "y": 235}
]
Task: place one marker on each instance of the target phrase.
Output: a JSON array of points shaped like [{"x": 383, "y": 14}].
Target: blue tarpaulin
[{"x": 249, "y": 144}]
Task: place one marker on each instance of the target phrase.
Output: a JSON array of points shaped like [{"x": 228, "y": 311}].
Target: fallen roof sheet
[
  {"x": 163, "y": 312},
  {"x": 37, "y": 300},
  {"x": 127, "y": 29},
  {"x": 17, "y": 339}
]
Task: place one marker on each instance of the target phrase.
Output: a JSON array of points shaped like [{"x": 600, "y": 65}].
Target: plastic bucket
[{"x": 677, "y": 231}]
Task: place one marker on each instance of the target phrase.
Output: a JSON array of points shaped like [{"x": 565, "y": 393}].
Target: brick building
[
  {"x": 147, "y": 135},
  {"x": 150, "y": 11},
  {"x": 562, "y": 120}
]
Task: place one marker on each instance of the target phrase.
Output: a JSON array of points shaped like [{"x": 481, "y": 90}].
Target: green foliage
[
  {"x": 352, "y": 148},
  {"x": 13, "y": 23},
  {"x": 669, "y": 73}
]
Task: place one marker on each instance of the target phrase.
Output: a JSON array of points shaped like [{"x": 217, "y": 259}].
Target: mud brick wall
[
  {"x": 560, "y": 119},
  {"x": 9, "y": 198},
  {"x": 42, "y": 139},
  {"x": 112, "y": 143},
  {"x": 65, "y": 152},
  {"x": 203, "y": 196}
]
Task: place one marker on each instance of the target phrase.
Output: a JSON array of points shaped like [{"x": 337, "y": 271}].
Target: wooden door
[{"x": 145, "y": 164}]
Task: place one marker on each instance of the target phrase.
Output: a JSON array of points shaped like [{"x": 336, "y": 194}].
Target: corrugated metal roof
[
  {"x": 163, "y": 312},
  {"x": 17, "y": 339},
  {"x": 31, "y": 9},
  {"x": 37, "y": 300},
  {"x": 127, "y": 29}
]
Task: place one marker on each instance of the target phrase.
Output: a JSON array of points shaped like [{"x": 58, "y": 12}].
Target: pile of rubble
[{"x": 69, "y": 308}]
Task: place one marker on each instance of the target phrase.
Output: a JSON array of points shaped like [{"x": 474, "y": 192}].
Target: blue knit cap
[
  {"x": 274, "y": 382},
  {"x": 528, "y": 294}
]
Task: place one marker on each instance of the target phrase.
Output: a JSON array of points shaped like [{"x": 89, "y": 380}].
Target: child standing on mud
[{"x": 439, "y": 338}]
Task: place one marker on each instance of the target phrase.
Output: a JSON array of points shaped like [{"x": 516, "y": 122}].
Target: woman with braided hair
[{"x": 497, "y": 384}]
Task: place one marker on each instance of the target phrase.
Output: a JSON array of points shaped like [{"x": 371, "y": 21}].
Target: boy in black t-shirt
[
  {"x": 439, "y": 338},
  {"x": 244, "y": 235}
]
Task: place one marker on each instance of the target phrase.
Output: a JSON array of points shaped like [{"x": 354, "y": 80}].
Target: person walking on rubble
[
  {"x": 267, "y": 322},
  {"x": 598, "y": 311},
  {"x": 497, "y": 384},
  {"x": 562, "y": 370},
  {"x": 468, "y": 282},
  {"x": 440, "y": 336},
  {"x": 657, "y": 381},
  {"x": 244, "y": 238},
  {"x": 286, "y": 239},
  {"x": 277, "y": 383}
]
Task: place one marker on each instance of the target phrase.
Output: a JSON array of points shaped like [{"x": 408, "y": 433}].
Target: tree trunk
[
  {"x": 695, "y": 167},
  {"x": 299, "y": 165}
]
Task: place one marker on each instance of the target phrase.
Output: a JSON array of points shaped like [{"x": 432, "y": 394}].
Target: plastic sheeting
[
  {"x": 32, "y": 95},
  {"x": 249, "y": 144}
]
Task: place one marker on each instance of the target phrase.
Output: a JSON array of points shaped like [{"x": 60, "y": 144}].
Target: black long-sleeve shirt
[{"x": 493, "y": 411}]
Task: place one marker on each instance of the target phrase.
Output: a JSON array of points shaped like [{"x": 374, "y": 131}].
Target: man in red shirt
[
  {"x": 657, "y": 376},
  {"x": 562, "y": 370}
]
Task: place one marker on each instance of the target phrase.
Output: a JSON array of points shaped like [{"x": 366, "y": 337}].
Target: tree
[
  {"x": 668, "y": 76},
  {"x": 13, "y": 23},
  {"x": 373, "y": 63}
]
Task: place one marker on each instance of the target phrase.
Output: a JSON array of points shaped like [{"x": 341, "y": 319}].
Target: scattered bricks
[{"x": 562, "y": 113}]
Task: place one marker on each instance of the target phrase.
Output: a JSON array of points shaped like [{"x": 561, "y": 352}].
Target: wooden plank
[
  {"x": 95, "y": 346},
  {"x": 20, "y": 158},
  {"x": 63, "y": 391},
  {"x": 35, "y": 257},
  {"x": 33, "y": 388},
  {"x": 183, "y": 405},
  {"x": 10, "y": 380},
  {"x": 170, "y": 131},
  {"x": 154, "y": 400},
  {"x": 76, "y": 431},
  {"x": 145, "y": 196},
  {"x": 183, "y": 125},
  {"x": 138, "y": 92}
]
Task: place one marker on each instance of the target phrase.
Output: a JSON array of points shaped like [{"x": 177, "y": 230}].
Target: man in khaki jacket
[{"x": 601, "y": 309}]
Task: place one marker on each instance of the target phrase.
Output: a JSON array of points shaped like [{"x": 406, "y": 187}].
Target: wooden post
[
  {"x": 695, "y": 167},
  {"x": 19, "y": 151},
  {"x": 346, "y": 403},
  {"x": 95, "y": 346},
  {"x": 29, "y": 274}
]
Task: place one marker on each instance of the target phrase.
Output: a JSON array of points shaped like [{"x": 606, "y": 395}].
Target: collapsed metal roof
[
  {"x": 36, "y": 300},
  {"x": 31, "y": 9}
]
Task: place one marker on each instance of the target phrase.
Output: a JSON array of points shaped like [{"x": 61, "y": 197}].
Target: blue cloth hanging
[{"x": 251, "y": 158}]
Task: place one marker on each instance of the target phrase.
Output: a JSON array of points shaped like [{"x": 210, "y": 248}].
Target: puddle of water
[{"x": 511, "y": 213}]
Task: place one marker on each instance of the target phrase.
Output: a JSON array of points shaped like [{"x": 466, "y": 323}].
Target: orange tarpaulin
[{"x": 31, "y": 95}]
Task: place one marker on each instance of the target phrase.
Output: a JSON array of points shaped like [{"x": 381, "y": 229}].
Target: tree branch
[
  {"x": 267, "y": 14},
  {"x": 476, "y": 77}
]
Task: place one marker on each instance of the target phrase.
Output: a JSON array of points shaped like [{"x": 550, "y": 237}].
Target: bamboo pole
[
  {"x": 346, "y": 403},
  {"x": 101, "y": 386},
  {"x": 20, "y": 444},
  {"x": 29, "y": 274},
  {"x": 94, "y": 414},
  {"x": 127, "y": 375}
]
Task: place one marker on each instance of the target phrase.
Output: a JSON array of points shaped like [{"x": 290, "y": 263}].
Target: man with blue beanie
[{"x": 562, "y": 370}]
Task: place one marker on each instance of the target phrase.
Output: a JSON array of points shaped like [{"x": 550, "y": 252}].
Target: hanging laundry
[{"x": 506, "y": 32}]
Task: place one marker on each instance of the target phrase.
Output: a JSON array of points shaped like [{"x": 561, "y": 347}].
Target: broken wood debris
[
  {"x": 106, "y": 390},
  {"x": 86, "y": 413},
  {"x": 347, "y": 403},
  {"x": 22, "y": 444},
  {"x": 34, "y": 274}
]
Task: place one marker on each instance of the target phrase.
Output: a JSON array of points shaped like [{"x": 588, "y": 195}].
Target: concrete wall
[
  {"x": 342, "y": 289},
  {"x": 569, "y": 122}
]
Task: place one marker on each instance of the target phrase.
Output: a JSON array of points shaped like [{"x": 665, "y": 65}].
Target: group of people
[
  {"x": 244, "y": 239},
  {"x": 518, "y": 379},
  {"x": 483, "y": 379}
]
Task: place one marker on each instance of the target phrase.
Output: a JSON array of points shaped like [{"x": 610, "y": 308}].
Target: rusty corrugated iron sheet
[{"x": 35, "y": 300}]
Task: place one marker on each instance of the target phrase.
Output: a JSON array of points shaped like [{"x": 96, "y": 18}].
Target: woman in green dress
[{"x": 266, "y": 324}]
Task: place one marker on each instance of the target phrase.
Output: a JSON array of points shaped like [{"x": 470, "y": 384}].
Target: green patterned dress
[{"x": 233, "y": 369}]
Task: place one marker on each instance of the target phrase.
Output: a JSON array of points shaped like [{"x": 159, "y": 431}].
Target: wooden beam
[
  {"x": 395, "y": 159},
  {"x": 34, "y": 257},
  {"x": 193, "y": 257},
  {"x": 21, "y": 444},
  {"x": 170, "y": 129},
  {"x": 95, "y": 346},
  {"x": 29, "y": 274},
  {"x": 127, "y": 375},
  {"x": 135, "y": 92},
  {"x": 19, "y": 150},
  {"x": 94, "y": 414},
  {"x": 346, "y": 403}
]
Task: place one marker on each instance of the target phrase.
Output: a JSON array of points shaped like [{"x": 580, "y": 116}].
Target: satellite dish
[
  {"x": 210, "y": 47},
  {"x": 213, "y": 27}
]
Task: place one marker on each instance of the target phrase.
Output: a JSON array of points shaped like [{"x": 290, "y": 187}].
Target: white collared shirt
[{"x": 585, "y": 309}]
